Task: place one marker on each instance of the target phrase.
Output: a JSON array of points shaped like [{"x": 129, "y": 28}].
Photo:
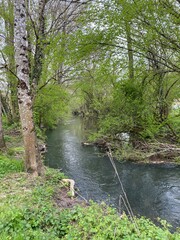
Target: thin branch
[
  {"x": 172, "y": 85},
  {"x": 138, "y": 53},
  {"x": 125, "y": 199}
]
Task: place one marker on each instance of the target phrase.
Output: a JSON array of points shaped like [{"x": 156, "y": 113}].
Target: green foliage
[
  {"x": 102, "y": 222},
  {"x": 134, "y": 109},
  {"x": 27, "y": 210},
  {"x": 14, "y": 151},
  {"x": 177, "y": 160},
  {"x": 9, "y": 127},
  {"x": 50, "y": 105},
  {"x": 174, "y": 121},
  {"x": 8, "y": 165},
  {"x": 129, "y": 112},
  {"x": 54, "y": 176},
  {"x": 31, "y": 223},
  {"x": 139, "y": 105}
]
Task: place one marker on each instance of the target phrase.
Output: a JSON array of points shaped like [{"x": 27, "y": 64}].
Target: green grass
[{"x": 8, "y": 165}]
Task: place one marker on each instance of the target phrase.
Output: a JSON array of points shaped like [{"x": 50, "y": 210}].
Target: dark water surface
[{"x": 152, "y": 190}]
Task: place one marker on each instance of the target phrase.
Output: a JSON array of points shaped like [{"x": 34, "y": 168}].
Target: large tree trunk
[{"x": 32, "y": 157}]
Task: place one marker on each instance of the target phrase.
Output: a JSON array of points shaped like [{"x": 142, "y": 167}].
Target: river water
[{"x": 153, "y": 190}]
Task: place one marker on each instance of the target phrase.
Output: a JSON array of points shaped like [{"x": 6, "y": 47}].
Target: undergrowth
[
  {"x": 8, "y": 165},
  {"x": 100, "y": 222},
  {"x": 28, "y": 212}
]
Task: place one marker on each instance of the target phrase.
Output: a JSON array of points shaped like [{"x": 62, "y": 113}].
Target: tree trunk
[
  {"x": 33, "y": 162},
  {"x": 2, "y": 142},
  {"x": 7, "y": 8},
  {"x": 130, "y": 51},
  {"x": 39, "y": 50}
]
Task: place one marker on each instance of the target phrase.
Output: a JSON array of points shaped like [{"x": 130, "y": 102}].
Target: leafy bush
[
  {"x": 101, "y": 222},
  {"x": 50, "y": 105}
]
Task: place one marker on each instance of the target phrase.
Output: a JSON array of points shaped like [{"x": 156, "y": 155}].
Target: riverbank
[
  {"x": 142, "y": 152},
  {"x": 29, "y": 209},
  {"x": 151, "y": 153}
]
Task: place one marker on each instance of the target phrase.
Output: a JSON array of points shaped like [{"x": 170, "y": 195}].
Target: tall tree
[
  {"x": 32, "y": 156},
  {"x": 9, "y": 61}
]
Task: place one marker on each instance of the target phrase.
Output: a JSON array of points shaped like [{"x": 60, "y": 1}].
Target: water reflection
[{"x": 152, "y": 190}]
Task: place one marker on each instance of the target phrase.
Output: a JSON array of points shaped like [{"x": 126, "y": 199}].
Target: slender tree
[
  {"x": 130, "y": 51},
  {"x": 40, "y": 42},
  {"x": 2, "y": 142},
  {"x": 32, "y": 157},
  {"x": 9, "y": 61}
]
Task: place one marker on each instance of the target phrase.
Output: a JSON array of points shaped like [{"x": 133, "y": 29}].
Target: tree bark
[
  {"x": 33, "y": 162},
  {"x": 130, "y": 51},
  {"x": 7, "y": 8},
  {"x": 2, "y": 142},
  {"x": 39, "y": 50}
]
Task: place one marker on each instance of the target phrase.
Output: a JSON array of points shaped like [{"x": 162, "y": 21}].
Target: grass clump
[{"x": 8, "y": 165}]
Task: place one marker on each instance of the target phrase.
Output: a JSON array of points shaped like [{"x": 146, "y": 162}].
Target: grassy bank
[{"x": 33, "y": 209}]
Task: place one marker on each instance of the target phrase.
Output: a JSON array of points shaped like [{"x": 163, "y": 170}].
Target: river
[{"x": 153, "y": 190}]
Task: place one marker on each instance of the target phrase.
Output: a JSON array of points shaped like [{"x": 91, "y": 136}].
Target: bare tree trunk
[
  {"x": 130, "y": 51},
  {"x": 7, "y": 8},
  {"x": 2, "y": 142},
  {"x": 32, "y": 156},
  {"x": 39, "y": 50}
]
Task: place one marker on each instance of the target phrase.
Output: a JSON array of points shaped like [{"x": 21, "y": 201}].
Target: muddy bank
[{"x": 63, "y": 199}]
